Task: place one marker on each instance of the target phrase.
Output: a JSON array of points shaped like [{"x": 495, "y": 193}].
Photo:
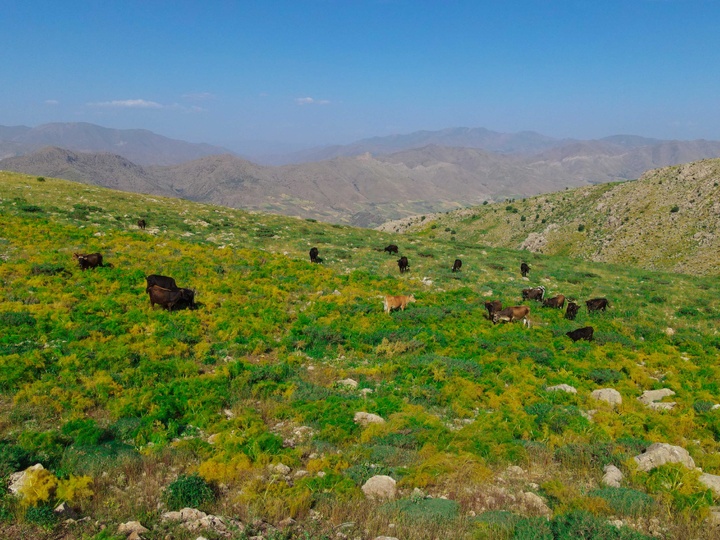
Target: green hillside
[
  {"x": 669, "y": 220},
  {"x": 242, "y": 407}
]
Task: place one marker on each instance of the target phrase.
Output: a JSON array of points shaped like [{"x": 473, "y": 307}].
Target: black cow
[
  {"x": 457, "y": 265},
  {"x": 91, "y": 260},
  {"x": 572, "y": 311},
  {"x": 141, "y": 223},
  {"x": 536, "y": 293},
  {"x": 161, "y": 281},
  {"x": 314, "y": 255},
  {"x": 171, "y": 299},
  {"x": 392, "y": 248},
  {"x": 492, "y": 307},
  {"x": 403, "y": 264},
  {"x": 524, "y": 269},
  {"x": 586, "y": 333},
  {"x": 597, "y": 304}
]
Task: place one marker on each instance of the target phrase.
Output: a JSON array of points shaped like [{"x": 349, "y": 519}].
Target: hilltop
[
  {"x": 668, "y": 219},
  {"x": 247, "y": 407}
]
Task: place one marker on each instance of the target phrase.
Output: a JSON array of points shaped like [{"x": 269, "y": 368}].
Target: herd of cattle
[{"x": 164, "y": 292}]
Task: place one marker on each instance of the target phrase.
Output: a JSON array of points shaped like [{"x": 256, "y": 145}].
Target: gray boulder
[
  {"x": 609, "y": 395},
  {"x": 613, "y": 476},
  {"x": 379, "y": 487},
  {"x": 658, "y": 454}
]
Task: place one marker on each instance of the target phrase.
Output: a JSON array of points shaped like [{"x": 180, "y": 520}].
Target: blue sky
[{"x": 313, "y": 72}]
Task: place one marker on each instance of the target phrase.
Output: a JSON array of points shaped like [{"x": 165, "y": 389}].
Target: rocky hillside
[{"x": 668, "y": 219}]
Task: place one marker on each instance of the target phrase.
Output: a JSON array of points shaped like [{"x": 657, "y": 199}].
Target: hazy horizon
[{"x": 321, "y": 72}]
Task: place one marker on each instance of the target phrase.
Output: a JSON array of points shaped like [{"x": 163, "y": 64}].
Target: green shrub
[
  {"x": 581, "y": 227},
  {"x": 604, "y": 376},
  {"x": 625, "y": 501},
  {"x": 416, "y": 510},
  {"x": 703, "y": 406},
  {"x": 674, "y": 209},
  {"x": 581, "y": 525},
  {"x": 533, "y": 528},
  {"x": 41, "y": 515},
  {"x": 47, "y": 269},
  {"x": 189, "y": 491}
]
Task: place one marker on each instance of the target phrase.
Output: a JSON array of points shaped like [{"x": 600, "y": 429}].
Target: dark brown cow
[
  {"x": 555, "y": 302},
  {"x": 536, "y": 293},
  {"x": 457, "y": 265},
  {"x": 403, "y": 264},
  {"x": 572, "y": 311},
  {"x": 91, "y": 260},
  {"x": 171, "y": 299},
  {"x": 141, "y": 223},
  {"x": 524, "y": 269},
  {"x": 511, "y": 314},
  {"x": 586, "y": 333},
  {"x": 161, "y": 281},
  {"x": 597, "y": 304},
  {"x": 392, "y": 248},
  {"x": 493, "y": 306},
  {"x": 314, "y": 255}
]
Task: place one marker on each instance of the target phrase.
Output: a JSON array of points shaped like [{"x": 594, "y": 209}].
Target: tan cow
[
  {"x": 397, "y": 302},
  {"x": 511, "y": 314}
]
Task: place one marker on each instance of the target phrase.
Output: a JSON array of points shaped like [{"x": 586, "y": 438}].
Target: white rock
[
  {"x": 711, "y": 481},
  {"x": 658, "y": 454},
  {"x": 364, "y": 418},
  {"x": 514, "y": 470},
  {"x": 609, "y": 395},
  {"x": 281, "y": 468},
  {"x": 379, "y": 487},
  {"x": 664, "y": 406},
  {"x": 613, "y": 476},
  {"x": 669, "y": 331},
  {"x": 132, "y": 527},
  {"x": 17, "y": 480},
  {"x": 562, "y": 387},
  {"x": 348, "y": 382},
  {"x": 535, "y": 504},
  {"x": 649, "y": 396}
]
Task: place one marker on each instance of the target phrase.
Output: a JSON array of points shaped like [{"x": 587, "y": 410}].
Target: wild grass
[{"x": 96, "y": 383}]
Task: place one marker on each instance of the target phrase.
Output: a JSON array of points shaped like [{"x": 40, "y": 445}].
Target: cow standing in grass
[
  {"x": 557, "y": 302},
  {"x": 90, "y": 260},
  {"x": 141, "y": 224},
  {"x": 392, "y": 248},
  {"x": 403, "y": 264},
  {"x": 171, "y": 299},
  {"x": 397, "y": 302},
  {"x": 536, "y": 293},
  {"x": 572, "y": 311},
  {"x": 597, "y": 304},
  {"x": 314, "y": 255},
  {"x": 585, "y": 333},
  {"x": 493, "y": 306},
  {"x": 457, "y": 265},
  {"x": 524, "y": 269},
  {"x": 512, "y": 314}
]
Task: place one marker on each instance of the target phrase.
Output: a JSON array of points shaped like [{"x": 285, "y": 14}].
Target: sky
[{"x": 317, "y": 72}]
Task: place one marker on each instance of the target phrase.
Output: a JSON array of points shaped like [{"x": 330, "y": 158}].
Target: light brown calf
[
  {"x": 397, "y": 302},
  {"x": 515, "y": 313}
]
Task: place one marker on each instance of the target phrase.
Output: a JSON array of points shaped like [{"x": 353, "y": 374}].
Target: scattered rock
[
  {"x": 132, "y": 527},
  {"x": 669, "y": 331},
  {"x": 650, "y": 396},
  {"x": 379, "y": 487},
  {"x": 348, "y": 382},
  {"x": 613, "y": 476},
  {"x": 18, "y": 479},
  {"x": 665, "y": 406},
  {"x": 281, "y": 468},
  {"x": 62, "y": 510},
  {"x": 562, "y": 387},
  {"x": 588, "y": 415},
  {"x": 609, "y": 395},
  {"x": 366, "y": 391},
  {"x": 619, "y": 523},
  {"x": 714, "y": 517},
  {"x": 514, "y": 470},
  {"x": 364, "y": 418},
  {"x": 285, "y": 523},
  {"x": 385, "y": 538},
  {"x": 535, "y": 504},
  {"x": 658, "y": 454},
  {"x": 711, "y": 481}
]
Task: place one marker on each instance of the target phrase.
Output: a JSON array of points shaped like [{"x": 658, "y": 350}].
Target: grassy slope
[
  {"x": 628, "y": 223},
  {"x": 94, "y": 380}
]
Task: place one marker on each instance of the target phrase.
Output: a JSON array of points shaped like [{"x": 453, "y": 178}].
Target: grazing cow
[
  {"x": 586, "y": 333},
  {"x": 457, "y": 265},
  {"x": 536, "y": 293},
  {"x": 314, "y": 255},
  {"x": 524, "y": 269},
  {"x": 555, "y": 302},
  {"x": 392, "y": 248},
  {"x": 141, "y": 223},
  {"x": 597, "y": 304},
  {"x": 511, "y": 314},
  {"x": 403, "y": 264},
  {"x": 161, "y": 281},
  {"x": 572, "y": 311},
  {"x": 171, "y": 299},
  {"x": 91, "y": 260},
  {"x": 397, "y": 302},
  {"x": 493, "y": 307}
]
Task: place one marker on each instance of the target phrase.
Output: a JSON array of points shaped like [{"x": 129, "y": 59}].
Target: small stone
[
  {"x": 132, "y": 527},
  {"x": 514, "y": 470},
  {"x": 608, "y": 395},
  {"x": 535, "y": 504},
  {"x": 563, "y": 388},
  {"x": 348, "y": 382},
  {"x": 658, "y": 454},
  {"x": 63, "y": 510},
  {"x": 664, "y": 406},
  {"x": 649, "y": 396},
  {"x": 711, "y": 481},
  {"x": 281, "y": 468},
  {"x": 285, "y": 523},
  {"x": 379, "y": 487},
  {"x": 364, "y": 418},
  {"x": 17, "y": 480},
  {"x": 613, "y": 476}
]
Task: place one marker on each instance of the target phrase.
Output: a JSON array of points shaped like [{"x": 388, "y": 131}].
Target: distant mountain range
[
  {"x": 137, "y": 145},
  {"x": 364, "y": 184}
]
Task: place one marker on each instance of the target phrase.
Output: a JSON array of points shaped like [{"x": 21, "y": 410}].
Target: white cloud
[
  {"x": 199, "y": 96},
  {"x": 129, "y": 104},
  {"x": 52, "y": 102},
  {"x": 311, "y": 101}
]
